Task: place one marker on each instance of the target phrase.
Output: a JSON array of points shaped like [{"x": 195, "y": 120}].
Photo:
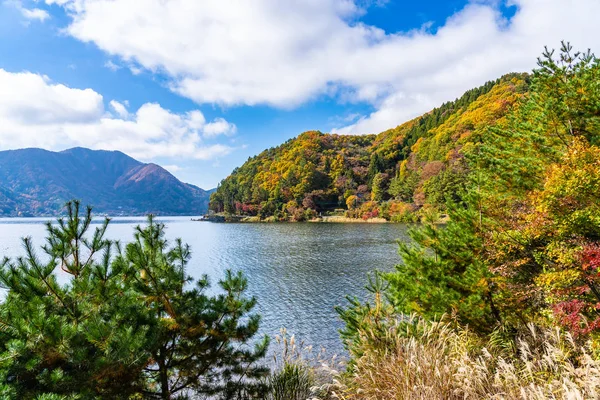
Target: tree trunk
[{"x": 163, "y": 377}]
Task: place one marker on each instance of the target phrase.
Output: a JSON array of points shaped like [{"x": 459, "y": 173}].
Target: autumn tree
[{"x": 522, "y": 241}]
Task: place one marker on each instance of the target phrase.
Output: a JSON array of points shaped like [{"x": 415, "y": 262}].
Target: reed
[{"x": 440, "y": 360}]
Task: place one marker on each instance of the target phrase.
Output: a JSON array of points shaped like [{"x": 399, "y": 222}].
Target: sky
[{"x": 198, "y": 86}]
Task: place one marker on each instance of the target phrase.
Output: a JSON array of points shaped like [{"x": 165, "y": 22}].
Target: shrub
[
  {"x": 299, "y": 373},
  {"x": 292, "y": 382},
  {"x": 401, "y": 212}
]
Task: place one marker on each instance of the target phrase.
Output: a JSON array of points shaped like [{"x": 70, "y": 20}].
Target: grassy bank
[{"x": 417, "y": 359}]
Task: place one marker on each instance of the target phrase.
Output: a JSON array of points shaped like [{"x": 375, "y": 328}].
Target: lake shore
[
  {"x": 335, "y": 219},
  {"x": 330, "y": 219}
]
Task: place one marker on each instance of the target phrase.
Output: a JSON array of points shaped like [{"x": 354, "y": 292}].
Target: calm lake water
[{"x": 298, "y": 272}]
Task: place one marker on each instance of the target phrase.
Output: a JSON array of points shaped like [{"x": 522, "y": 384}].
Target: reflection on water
[{"x": 298, "y": 272}]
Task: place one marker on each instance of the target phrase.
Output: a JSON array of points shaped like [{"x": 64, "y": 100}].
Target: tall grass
[
  {"x": 416, "y": 359},
  {"x": 440, "y": 360}
]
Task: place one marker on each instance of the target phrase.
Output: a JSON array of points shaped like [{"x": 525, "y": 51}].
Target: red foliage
[
  {"x": 570, "y": 314},
  {"x": 245, "y": 209},
  {"x": 581, "y": 315},
  {"x": 590, "y": 257}
]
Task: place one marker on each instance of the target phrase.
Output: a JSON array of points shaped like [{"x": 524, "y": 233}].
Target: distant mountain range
[{"x": 36, "y": 182}]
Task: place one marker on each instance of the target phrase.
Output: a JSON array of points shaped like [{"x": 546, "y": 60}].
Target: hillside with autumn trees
[{"x": 403, "y": 174}]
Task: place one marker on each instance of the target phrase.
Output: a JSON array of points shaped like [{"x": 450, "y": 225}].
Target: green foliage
[
  {"x": 378, "y": 192},
  {"x": 523, "y": 234},
  {"x": 82, "y": 338},
  {"x": 444, "y": 272},
  {"x": 292, "y": 382},
  {"x": 366, "y": 324},
  {"x": 562, "y": 104},
  {"x": 128, "y": 323}
]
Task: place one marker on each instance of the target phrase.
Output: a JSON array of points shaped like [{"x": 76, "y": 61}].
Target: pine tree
[
  {"x": 376, "y": 166},
  {"x": 88, "y": 337},
  {"x": 200, "y": 342},
  {"x": 127, "y": 323},
  {"x": 378, "y": 191},
  {"x": 444, "y": 272}
]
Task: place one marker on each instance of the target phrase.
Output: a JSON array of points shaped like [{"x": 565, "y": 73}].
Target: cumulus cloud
[
  {"x": 283, "y": 53},
  {"x": 35, "y": 112},
  {"x": 219, "y": 127}
]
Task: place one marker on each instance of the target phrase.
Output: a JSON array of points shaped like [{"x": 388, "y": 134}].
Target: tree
[
  {"x": 379, "y": 187},
  {"x": 444, "y": 272},
  {"x": 539, "y": 186},
  {"x": 124, "y": 325},
  {"x": 376, "y": 166},
  {"x": 351, "y": 202},
  {"x": 88, "y": 338},
  {"x": 554, "y": 256},
  {"x": 404, "y": 183},
  {"x": 200, "y": 341}
]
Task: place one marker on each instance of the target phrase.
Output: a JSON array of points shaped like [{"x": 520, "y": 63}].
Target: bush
[
  {"x": 299, "y": 373},
  {"x": 401, "y": 212},
  {"x": 292, "y": 382},
  {"x": 309, "y": 214}
]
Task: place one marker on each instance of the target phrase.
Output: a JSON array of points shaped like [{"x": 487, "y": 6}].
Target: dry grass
[{"x": 425, "y": 360}]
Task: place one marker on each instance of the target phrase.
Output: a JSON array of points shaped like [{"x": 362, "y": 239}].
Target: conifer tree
[
  {"x": 86, "y": 338},
  {"x": 200, "y": 342},
  {"x": 444, "y": 271},
  {"x": 127, "y": 324},
  {"x": 494, "y": 261}
]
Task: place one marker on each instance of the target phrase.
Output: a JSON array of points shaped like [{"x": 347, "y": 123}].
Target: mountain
[
  {"x": 414, "y": 165},
  {"x": 36, "y": 182}
]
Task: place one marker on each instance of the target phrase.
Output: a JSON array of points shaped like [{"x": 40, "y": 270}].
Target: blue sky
[{"x": 199, "y": 87}]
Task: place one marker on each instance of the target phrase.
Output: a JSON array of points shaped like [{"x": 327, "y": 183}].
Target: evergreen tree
[
  {"x": 378, "y": 192},
  {"x": 444, "y": 272},
  {"x": 376, "y": 166},
  {"x": 89, "y": 337},
  {"x": 505, "y": 256},
  {"x": 124, "y": 325},
  {"x": 200, "y": 342}
]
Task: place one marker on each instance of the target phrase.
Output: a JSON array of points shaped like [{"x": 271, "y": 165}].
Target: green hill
[{"x": 417, "y": 164}]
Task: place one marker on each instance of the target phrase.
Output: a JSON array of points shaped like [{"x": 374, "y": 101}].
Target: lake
[{"x": 298, "y": 272}]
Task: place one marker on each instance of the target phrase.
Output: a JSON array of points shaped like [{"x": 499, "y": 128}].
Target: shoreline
[{"x": 321, "y": 220}]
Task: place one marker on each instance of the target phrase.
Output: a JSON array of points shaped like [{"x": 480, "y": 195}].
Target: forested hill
[
  {"x": 414, "y": 166},
  {"x": 36, "y": 182}
]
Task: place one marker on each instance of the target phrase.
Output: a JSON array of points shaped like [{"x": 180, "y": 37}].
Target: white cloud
[
  {"x": 119, "y": 108},
  {"x": 35, "y": 112},
  {"x": 112, "y": 66},
  {"x": 172, "y": 168},
  {"x": 284, "y": 53},
  {"x": 219, "y": 127},
  {"x": 35, "y": 13},
  {"x": 29, "y": 13}
]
